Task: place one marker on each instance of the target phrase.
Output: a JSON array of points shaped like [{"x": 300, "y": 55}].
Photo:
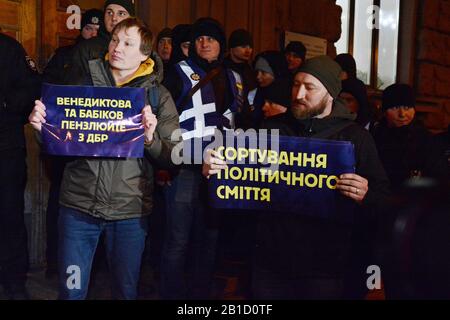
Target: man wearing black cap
[
  {"x": 180, "y": 42},
  {"x": 406, "y": 148},
  {"x": 115, "y": 11},
  {"x": 277, "y": 99},
  {"x": 90, "y": 25},
  {"x": 300, "y": 257},
  {"x": 164, "y": 45},
  {"x": 241, "y": 47},
  {"x": 354, "y": 93},
  {"x": 241, "y": 50},
  {"x": 295, "y": 53},
  {"x": 213, "y": 106}
]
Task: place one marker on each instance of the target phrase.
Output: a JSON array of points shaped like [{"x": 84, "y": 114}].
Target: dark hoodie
[
  {"x": 60, "y": 62},
  {"x": 20, "y": 85},
  {"x": 181, "y": 33},
  {"x": 84, "y": 51},
  {"x": 358, "y": 90},
  {"x": 279, "y": 66},
  {"x": 306, "y": 246}
]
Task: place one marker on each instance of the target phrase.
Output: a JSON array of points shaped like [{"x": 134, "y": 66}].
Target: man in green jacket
[{"x": 113, "y": 196}]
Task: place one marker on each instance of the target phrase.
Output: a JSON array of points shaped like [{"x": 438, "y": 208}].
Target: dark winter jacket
[
  {"x": 409, "y": 151},
  {"x": 310, "y": 247},
  {"x": 248, "y": 76},
  {"x": 59, "y": 63},
  {"x": 85, "y": 51},
  {"x": 20, "y": 85}
]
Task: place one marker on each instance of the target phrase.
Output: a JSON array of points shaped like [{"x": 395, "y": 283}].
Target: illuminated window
[{"x": 370, "y": 30}]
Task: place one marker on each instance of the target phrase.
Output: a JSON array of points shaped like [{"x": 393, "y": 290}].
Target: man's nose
[{"x": 301, "y": 92}]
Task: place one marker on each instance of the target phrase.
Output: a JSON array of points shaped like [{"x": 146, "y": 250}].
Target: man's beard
[{"x": 301, "y": 109}]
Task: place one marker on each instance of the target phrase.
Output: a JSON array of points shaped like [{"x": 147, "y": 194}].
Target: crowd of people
[{"x": 204, "y": 82}]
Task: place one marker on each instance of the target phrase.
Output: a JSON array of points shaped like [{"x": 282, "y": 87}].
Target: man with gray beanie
[
  {"x": 299, "y": 257},
  {"x": 295, "y": 53}
]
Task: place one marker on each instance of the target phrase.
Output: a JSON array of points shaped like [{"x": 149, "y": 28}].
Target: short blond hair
[{"x": 143, "y": 30}]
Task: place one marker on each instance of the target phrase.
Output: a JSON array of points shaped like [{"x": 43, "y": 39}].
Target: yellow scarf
[{"x": 145, "y": 69}]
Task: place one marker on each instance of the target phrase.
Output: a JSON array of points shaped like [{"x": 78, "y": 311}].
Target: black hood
[
  {"x": 276, "y": 61},
  {"x": 181, "y": 33}
]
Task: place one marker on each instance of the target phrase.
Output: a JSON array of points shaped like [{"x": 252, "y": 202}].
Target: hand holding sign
[
  {"x": 285, "y": 175},
  {"x": 353, "y": 186},
  {"x": 86, "y": 121},
  {"x": 37, "y": 116},
  {"x": 149, "y": 122}
]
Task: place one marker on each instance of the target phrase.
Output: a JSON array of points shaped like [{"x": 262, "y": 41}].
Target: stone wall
[{"x": 433, "y": 60}]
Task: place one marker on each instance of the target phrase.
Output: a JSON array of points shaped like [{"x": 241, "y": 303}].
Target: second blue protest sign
[{"x": 296, "y": 175}]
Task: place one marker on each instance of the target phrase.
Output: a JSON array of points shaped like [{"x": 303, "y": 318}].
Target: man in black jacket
[
  {"x": 90, "y": 25},
  {"x": 213, "y": 106},
  {"x": 300, "y": 257},
  {"x": 407, "y": 150},
  {"x": 239, "y": 60},
  {"x": 19, "y": 87},
  {"x": 314, "y": 253},
  {"x": 115, "y": 11}
]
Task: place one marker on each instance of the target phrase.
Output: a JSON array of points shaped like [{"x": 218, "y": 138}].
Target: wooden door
[
  {"x": 55, "y": 32},
  {"x": 19, "y": 19}
]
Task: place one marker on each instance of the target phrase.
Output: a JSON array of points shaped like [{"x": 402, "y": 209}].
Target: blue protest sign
[
  {"x": 284, "y": 174},
  {"x": 93, "y": 121}
]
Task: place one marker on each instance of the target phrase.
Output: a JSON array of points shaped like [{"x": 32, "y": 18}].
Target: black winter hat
[
  {"x": 278, "y": 92},
  {"x": 327, "y": 71},
  {"x": 211, "y": 28},
  {"x": 358, "y": 90},
  {"x": 164, "y": 33},
  {"x": 127, "y": 4},
  {"x": 92, "y": 16},
  {"x": 296, "y": 47},
  {"x": 398, "y": 95},
  {"x": 180, "y": 33},
  {"x": 240, "y": 38}
]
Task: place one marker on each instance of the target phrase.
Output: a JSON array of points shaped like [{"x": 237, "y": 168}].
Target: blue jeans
[
  {"x": 186, "y": 230},
  {"x": 79, "y": 234}
]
